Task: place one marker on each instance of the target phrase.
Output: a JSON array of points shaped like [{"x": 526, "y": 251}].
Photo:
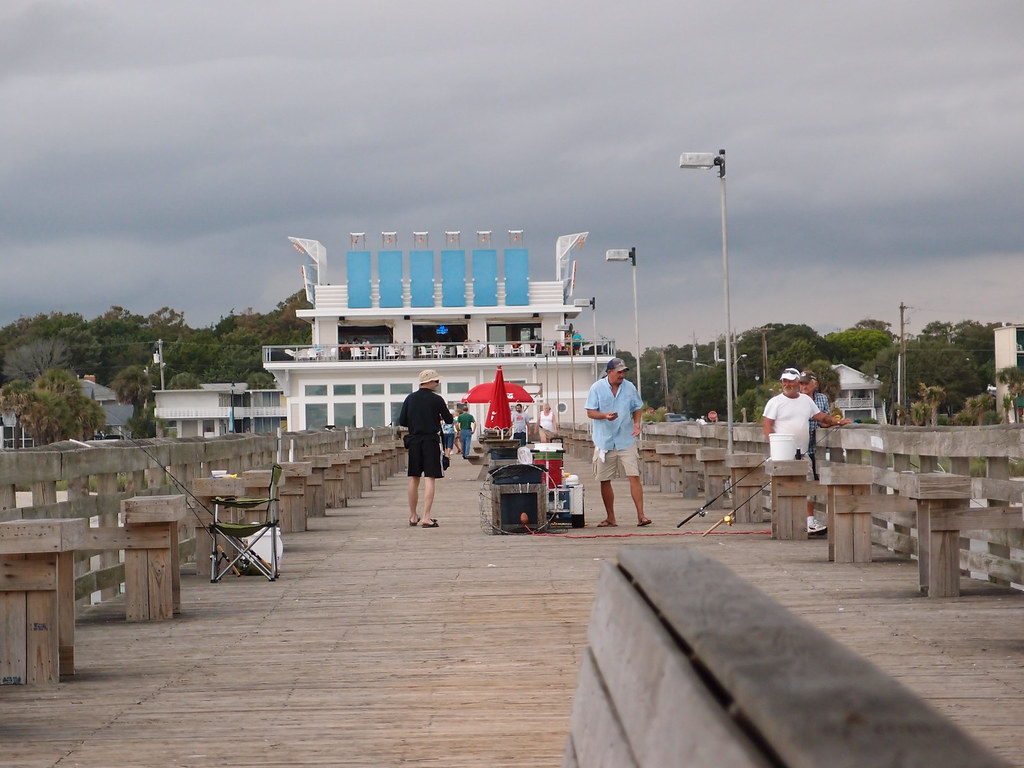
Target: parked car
[{"x": 674, "y": 417}]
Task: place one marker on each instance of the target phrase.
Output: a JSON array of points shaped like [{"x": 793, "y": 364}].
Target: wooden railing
[
  {"x": 986, "y": 454},
  {"x": 76, "y": 480}
]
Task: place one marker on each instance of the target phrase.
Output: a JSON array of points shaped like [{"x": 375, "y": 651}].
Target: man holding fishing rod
[{"x": 788, "y": 414}]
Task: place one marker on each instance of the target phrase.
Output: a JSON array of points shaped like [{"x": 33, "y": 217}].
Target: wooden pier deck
[{"x": 385, "y": 645}]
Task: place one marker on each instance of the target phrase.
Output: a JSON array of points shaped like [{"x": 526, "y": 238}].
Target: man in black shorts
[{"x": 422, "y": 414}]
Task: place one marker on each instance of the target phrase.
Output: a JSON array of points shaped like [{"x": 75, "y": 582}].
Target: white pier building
[{"x": 392, "y": 313}]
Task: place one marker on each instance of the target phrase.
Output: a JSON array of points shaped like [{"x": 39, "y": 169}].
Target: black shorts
[{"x": 425, "y": 456}]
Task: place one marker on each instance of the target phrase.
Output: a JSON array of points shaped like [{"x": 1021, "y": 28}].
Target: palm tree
[
  {"x": 1013, "y": 378},
  {"x": 976, "y": 407},
  {"x": 133, "y": 385},
  {"x": 933, "y": 397}
]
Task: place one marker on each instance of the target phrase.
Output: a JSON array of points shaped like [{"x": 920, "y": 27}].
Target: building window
[
  {"x": 316, "y": 390},
  {"x": 457, "y": 387},
  {"x": 396, "y": 411},
  {"x": 401, "y": 389},
  {"x": 344, "y": 389},
  {"x": 373, "y": 414},
  {"x": 316, "y": 415},
  {"x": 373, "y": 389},
  {"x": 344, "y": 415}
]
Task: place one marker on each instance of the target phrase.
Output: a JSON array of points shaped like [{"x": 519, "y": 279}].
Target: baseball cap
[
  {"x": 807, "y": 377},
  {"x": 429, "y": 375},
  {"x": 790, "y": 374},
  {"x": 616, "y": 364}
]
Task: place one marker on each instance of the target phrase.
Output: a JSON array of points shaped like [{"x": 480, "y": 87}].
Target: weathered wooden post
[
  {"x": 849, "y": 527},
  {"x": 37, "y": 599},
  {"x": 789, "y": 497},
  {"x": 715, "y": 474},
  {"x": 152, "y": 575},
  {"x": 748, "y": 478}
]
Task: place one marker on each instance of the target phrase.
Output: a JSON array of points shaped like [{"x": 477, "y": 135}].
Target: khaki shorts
[{"x": 624, "y": 463}]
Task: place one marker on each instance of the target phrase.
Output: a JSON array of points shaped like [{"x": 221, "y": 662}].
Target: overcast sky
[{"x": 159, "y": 154}]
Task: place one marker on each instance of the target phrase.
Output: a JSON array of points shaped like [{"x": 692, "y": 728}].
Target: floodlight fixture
[
  {"x": 622, "y": 254},
  {"x": 707, "y": 161}
]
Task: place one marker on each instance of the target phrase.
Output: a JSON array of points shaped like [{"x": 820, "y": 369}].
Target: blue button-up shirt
[{"x": 617, "y": 434}]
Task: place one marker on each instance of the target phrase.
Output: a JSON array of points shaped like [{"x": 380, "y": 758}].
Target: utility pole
[
  {"x": 901, "y": 372},
  {"x": 664, "y": 377},
  {"x": 160, "y": 360}
]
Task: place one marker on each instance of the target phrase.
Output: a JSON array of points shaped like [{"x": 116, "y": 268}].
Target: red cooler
[{"x": 551, "y": 460}]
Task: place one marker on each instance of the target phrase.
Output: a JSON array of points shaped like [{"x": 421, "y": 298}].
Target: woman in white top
[{"x": 547, "y": 424}]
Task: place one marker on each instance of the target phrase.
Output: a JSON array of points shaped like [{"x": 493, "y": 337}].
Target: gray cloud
[{"x": 160, "y": 157}]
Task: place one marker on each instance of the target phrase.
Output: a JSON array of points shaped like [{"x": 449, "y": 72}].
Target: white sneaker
[{"x": 813, "y": 526}]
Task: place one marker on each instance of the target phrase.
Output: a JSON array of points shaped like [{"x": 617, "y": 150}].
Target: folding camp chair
[{"x": 235, "y": 543}]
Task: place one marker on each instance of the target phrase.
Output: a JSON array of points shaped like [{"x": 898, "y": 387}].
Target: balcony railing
[
  {"x": 854, "y": 402},
  {"x": 375, "y": 352}
]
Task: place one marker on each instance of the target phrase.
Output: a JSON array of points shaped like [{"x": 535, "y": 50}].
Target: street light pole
[
  {"x": 592, "y": 303},
  {"x": 705, "y": 161},
  {"x": 620, "y": 254}
]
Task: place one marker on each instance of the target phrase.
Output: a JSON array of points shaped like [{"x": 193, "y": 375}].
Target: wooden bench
[
  {"x": 37, "y": 599},
  {"x": 689, "y": 665}
]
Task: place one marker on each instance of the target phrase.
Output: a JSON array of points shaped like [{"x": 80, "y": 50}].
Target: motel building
[{"x": 380, "y": 318}]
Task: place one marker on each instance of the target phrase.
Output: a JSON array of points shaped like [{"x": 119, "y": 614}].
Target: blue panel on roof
[
  {"x": 485, "y": 277},
  {"x": 358, "y": 271},
  {"x": 453, "y": 278},
  {"x": 517, "y": 277},
  {"x": 389, "y": 273},
  {"x": 421, "y": 278}
]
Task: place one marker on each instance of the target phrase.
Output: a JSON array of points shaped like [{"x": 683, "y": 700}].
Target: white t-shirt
[{"x": 791, "y": 415}]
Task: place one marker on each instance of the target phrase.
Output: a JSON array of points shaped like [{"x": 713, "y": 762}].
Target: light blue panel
[
  {"x": 517, "y": 277},
  {"x": 453, "y": 278},
  {"x": 358, "y": 271},
  {"x": 485, "y": 277},
  {"x": 421, "y": 278},
  {"x": 389, "y": 272}
]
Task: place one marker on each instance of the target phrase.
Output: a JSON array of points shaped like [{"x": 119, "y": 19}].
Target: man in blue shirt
[{"x": 615, "y": 409}]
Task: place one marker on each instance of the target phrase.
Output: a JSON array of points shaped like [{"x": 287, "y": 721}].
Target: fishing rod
[
  {"x": 702, "y": 511},
  {"x": 177, "y": 483}
]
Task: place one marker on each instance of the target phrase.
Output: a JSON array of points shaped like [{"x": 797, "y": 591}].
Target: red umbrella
[
  {"x": 484, "y": 393},
  {"x": 498, "y": 416}
]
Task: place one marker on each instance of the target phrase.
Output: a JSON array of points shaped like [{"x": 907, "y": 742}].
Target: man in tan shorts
[{"x": 615, "y": 408}]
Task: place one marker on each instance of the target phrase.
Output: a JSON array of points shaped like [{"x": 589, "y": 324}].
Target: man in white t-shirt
[{"x": 788, "y": 414}]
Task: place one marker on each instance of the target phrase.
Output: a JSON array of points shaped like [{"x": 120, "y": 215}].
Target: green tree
[
  {"x": 53, "y": 408},
  {"x": 932, "y": 397},
  {"x": 30, "y": 361},
  {"x": 133, "y": 385},
  {"x": 1013, "y": 378},
  {"x": 857, "y": 346},
  {"x": 184, "y": 380}
]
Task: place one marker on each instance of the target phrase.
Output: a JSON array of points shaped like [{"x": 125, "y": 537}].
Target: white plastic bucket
[
  {"x": 782, "y": 447},
  {"x": 262, "y": 547}
]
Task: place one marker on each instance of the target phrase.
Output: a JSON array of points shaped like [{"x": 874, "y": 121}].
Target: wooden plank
[
  {"x": 977, "y": 518},
  {"x": 650, "y": 682},
  {"x": 27, "y": 536},
  {"x": 26, "y": 575},
  {"x": 936, "y": 485},
  {"x": 141, "y": 510},
  {"x": 136, "y": 585},
  {"x": 598, "y": 736},
  {"x": 160, "y": 584},
  {"x": 41, "y": 646},
  {"x": 883, "y": 507},
  {"x": 139, "y": 537},
  {"x": 846, "y": 714},
  {"x": 13, "y": 638}
]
